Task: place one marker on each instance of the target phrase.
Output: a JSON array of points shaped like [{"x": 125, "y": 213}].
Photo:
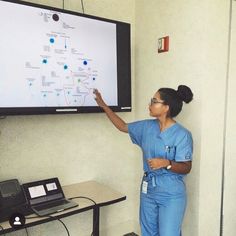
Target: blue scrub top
[{"x": 174, "y": 143}]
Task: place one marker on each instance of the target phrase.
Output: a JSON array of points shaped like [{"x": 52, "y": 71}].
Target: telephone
[{"x": 12, "y": 199}]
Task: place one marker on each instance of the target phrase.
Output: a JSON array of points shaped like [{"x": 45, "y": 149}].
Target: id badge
[{"x": 144, "y": 187}]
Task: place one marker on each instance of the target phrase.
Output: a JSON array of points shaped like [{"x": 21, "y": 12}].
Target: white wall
[{"x": 77, "y": 147}]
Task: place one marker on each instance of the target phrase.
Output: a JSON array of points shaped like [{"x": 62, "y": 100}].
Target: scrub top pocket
[{"x": 170, "y": 152}]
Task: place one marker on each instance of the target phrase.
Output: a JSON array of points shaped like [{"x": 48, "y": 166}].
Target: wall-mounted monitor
[{"x": 51, "y": 60}]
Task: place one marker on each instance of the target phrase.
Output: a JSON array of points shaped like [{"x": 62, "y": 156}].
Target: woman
[{"x": 167, "y": 158}]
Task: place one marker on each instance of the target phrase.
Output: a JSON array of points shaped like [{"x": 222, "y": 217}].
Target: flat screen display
[{"x": 52, "y": 60}]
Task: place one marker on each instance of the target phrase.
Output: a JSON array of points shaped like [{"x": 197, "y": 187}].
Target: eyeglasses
[{"x": 155, "y": 101}]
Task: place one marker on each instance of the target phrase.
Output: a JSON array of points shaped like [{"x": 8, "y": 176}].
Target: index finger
[{"x": 95, "y": 90}]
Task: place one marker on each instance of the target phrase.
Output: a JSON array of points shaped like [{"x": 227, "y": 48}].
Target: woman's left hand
[{"x": 157, "y": 163}]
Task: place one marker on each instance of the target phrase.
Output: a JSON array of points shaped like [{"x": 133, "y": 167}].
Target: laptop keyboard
[{"x": 50, "y": 205}]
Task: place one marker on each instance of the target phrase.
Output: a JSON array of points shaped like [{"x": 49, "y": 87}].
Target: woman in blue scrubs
[{"x": 167, "y": 157}]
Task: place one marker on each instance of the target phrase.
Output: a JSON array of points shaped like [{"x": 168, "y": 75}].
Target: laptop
[{"x": 46, "y": 197}]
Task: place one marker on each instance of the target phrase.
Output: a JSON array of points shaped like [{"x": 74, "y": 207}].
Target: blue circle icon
[
  {"x": 45, "y": 61},
  {"x": 65, "y": 67},
  {"x": 85, "y": 63},
  {"x": 52, "y": 40}
]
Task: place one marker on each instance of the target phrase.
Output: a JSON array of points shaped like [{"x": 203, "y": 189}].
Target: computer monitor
[{"x": 52, "y": 59}]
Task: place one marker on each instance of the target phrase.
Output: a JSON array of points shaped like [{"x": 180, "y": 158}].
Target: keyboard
[{"x": 50, "y": 205}]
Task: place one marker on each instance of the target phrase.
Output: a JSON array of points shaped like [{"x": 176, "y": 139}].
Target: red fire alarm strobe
[{"x": 163, "y": 44}]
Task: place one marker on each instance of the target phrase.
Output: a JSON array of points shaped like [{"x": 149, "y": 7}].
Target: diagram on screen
[
  {"x": 64, "y": 57},
  {"x": 65, "y": 75}
]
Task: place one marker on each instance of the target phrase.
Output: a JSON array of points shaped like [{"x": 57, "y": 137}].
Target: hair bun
[{"x": 185, "y": 93}]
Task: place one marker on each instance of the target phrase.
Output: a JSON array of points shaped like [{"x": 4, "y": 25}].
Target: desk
[{"x": 100, "y": 193}]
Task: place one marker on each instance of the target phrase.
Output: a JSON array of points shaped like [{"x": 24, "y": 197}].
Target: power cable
[
  {"x": 82, "y": 4},
  {"x": 27, "y": 233},
  {"x": 68, "y": 233},
  {"x": 53, "y": 217},
  {"x": 95, "y": 204}
]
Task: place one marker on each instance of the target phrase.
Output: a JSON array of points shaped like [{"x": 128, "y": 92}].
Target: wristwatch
[{"x": 169, "y": 166}]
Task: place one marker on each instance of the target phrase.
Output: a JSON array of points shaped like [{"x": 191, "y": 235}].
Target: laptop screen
[{"x": 43, "y": 191}]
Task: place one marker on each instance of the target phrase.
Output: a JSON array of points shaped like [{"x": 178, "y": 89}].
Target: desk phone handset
[{"x": 12, "y": 199}]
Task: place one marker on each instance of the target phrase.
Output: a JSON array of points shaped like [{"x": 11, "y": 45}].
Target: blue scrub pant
[{"x": 160, "y": 214}]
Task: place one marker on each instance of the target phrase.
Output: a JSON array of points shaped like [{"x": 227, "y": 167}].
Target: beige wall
[
  {"x": 229, "y": 208},
  {"x": 198, "y": 33},
  {"x": 181, "y": 65},
  {"x": 77, "y": 148},
  {"x": 213, "y": 87}
]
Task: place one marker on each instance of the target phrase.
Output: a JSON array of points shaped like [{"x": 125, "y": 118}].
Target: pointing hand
[{"x": 98, "y": 98}]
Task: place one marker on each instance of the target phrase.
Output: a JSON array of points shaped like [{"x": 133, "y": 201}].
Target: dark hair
[{"x": 175, "y": 98}]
